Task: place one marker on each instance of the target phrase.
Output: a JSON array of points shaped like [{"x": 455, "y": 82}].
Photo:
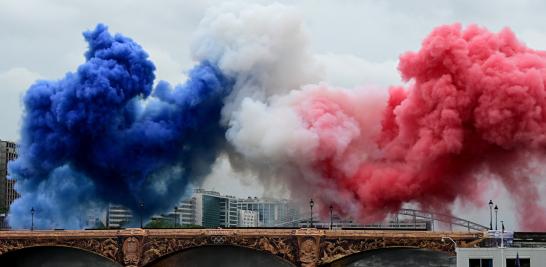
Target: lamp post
[
  {"x": 502, "y": 244},
  {"x": 311, "y": 204},
  {"x": 496, "y": 213},
  {"x": 502, "y": 234},
  {"x": 141, "y": 206},
  {"x": 490, "y": 214},
  {"x": 331, "y": 218},
  {"x": 32, "y": 219}
]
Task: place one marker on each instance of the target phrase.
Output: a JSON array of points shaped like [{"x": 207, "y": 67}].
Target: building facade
[
  {"x": 271, "y": 212},
  {"x": 8, "y": 152},
  {"x": 248, "y": 218},
  {"x": 214, "y": 210},
  {"x": 211, "y": 209},
  {"x": 229, "y": 212},
  {"x": 117, "y": 216},
  {"x": 499, "y": 257},
  {"x": 185, "y": 212},
  {"x": 496, "y": 256},
  {"x": 506, "y": 249}
]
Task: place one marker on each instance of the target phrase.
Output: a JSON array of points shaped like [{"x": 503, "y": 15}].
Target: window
[
  {"x": 480, "y": 262},
  {"x": 522, "y": 262}
]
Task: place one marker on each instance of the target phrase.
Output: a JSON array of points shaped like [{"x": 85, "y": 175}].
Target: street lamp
[
  {"x": 141, "y": 206},
  {"x": 502, "y": 242},
  {"x": 496, "y": 213},
  {"x": 490, "y": 214},
  {"x": 311, "y": 204},
  {"x": 331, "y": 218},
  {"x": 32, "y": 219}
]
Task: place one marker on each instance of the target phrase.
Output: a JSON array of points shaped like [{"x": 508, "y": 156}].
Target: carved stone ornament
[
  {"x": 109, "y": 248},
  {"x": 308, "y": 252},
  {"x": 131, "y": 251}
]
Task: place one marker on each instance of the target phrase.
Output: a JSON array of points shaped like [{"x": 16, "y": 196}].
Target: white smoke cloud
[
  {"x": 264, "y": 47},
  {"x": 271, "y": 132}
]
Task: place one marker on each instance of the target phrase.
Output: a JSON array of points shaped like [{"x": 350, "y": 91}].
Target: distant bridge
[
  {"x": 288, "y": 247},
  {"x": 429, "y": 217},
  {"x": 444, "y": 218}
]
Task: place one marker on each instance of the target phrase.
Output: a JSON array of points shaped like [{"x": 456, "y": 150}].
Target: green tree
[
  {"x": 189, "y": 226},
  {"x": 160, "y": 223},
  {"x": 99, "y": 225}
]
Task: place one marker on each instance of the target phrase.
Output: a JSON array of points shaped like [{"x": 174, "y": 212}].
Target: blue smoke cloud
[{"x": 104, "y": 134}]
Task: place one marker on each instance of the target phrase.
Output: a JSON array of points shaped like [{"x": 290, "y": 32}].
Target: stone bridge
[{"x": 296, "y": 247}]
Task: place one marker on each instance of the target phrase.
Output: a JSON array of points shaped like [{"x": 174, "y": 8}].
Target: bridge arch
[
  {"x": 282, "y": 246},
  {"x": 54, "y": 255},
  {"x": 395, "y": 257},
  {"x": 220, "y": 255}
]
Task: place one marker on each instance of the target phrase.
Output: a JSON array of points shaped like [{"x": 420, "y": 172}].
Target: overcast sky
[{"x": 358, "y": 41}]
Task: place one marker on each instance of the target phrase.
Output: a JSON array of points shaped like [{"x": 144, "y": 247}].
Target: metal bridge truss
[
  {"x": 428, "y": 216},
  {"x": 444, "y": 218}
]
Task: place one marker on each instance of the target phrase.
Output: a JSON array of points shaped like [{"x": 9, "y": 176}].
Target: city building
[
  {"x": 214, "y": 210},
  {"x": 271, "y": 212},
  {"x": 211, "y": 209},
  {"x": 505, "y": 249},
  {"x": 94, "y": 218},
  {"x": 185, "y": 212},
  {"x": 11, "y": 194},
  {"x": 3, "y": 221},
  {"x": 8, "y": 152},
  {"x": 117, "y": 216},
  {"x": 229, "y": 212},
  {"x": 248, "y": 218}
]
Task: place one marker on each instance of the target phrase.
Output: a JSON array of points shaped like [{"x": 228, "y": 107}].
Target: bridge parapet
[{"x": 302, "y": 247}]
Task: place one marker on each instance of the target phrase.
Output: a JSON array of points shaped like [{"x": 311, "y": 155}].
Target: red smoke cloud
[{"x": 475, "y": 109}]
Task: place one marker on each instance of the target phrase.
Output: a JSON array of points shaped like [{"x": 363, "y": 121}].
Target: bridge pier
[
  {"x": 308, "y": 246},
  {"x": 131, "y": 252}
]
